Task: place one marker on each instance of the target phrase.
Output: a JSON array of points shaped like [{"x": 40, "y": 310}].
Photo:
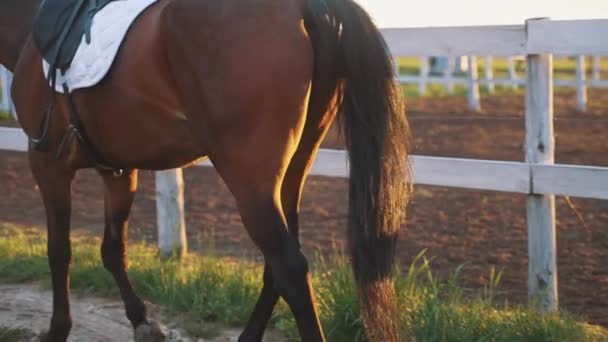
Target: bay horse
[{"x": 254, "y": 86}]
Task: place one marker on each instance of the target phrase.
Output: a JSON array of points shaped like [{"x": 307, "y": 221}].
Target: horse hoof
[
  {"x": 150, "y": 332},
  {"x": 43, "y": 337}
]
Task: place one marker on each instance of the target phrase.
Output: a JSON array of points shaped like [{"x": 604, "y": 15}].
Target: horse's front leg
[
  {"x": 54, "y": 181},
  {"x": 119, "y": 194}
]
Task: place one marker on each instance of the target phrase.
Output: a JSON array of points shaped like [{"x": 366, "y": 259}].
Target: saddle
[{"x": 58, "y": 28}]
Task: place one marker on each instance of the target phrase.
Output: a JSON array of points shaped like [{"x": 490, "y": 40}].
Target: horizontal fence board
[
  {"x": 332, "y": 163},
  {"x": 13, "y": 139},
  {"x": 574, "y": 84},
  {"x": 568, "y": 37},
  {"x": 411, "y": 79},
  {"x": 597, "y": 83},
  {"x": 569, "y": 180},
  {"x": 472, "y": 174},
  {"x": 564, "y": 83},
  {"x": 457, "y": 41},
  {"x": 562, "y": 38},
  {"x": 503, "y": 81}
]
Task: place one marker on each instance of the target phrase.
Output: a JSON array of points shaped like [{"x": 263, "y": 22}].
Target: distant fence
[
  {"x": 448, "y": 79},
  {"x": 473, "y": 81},
  {"x": 538, "y": 177}
]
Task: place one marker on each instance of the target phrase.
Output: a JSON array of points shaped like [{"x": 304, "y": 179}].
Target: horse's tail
[{"x": 372, "y": 114}]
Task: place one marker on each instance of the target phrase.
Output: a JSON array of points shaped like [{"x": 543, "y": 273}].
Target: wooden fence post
[
  {"x": 540, "y": 144},
  {"x": 170, "y": 213},
  {"x": 581, "y": 85},
  {"x": 449, "y": 75},
  {"x": 397, "y": 65},
  {"x": 489, "y": 74},
  {"x": 424, "y": 75},
  {"x": 473, "y": 84},
  {"x": 513, "y": 73},
  {"x": 596, "y": 68},
  {"x": 5, "y": 79}
]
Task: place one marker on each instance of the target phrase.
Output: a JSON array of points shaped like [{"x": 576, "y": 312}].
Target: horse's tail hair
[{"x": 372, "y": 115}]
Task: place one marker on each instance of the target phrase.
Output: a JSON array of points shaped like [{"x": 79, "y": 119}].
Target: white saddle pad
[{"x": 93, "y": 61}]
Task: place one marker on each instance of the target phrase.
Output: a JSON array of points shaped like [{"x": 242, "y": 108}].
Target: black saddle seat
[{"x": 59, "y": 26}]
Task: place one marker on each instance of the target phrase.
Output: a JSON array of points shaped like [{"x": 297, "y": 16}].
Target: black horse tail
[{"x": 372, "y": 114}]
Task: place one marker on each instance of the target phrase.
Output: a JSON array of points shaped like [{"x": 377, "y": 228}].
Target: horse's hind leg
[
  {"x": 257, "y": 192},
  {"x": 54, "y": 183},
  {"x": 254, "y": 331},
  {"x": 119, "y": 194},
  {"x": 321, "y": 114},
  {"x": 291, "y": 194},
  {"x": 261, "y": 214}
]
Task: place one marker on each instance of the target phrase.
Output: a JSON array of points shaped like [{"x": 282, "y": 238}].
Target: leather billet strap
[
  {"x": 41, "y": 143},
  {"x": 76, "y": 130}
]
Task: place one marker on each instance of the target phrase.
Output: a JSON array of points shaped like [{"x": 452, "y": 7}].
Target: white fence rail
[
  {"x": 516, "y": 177},
  {"x": 538, "y": 176}
]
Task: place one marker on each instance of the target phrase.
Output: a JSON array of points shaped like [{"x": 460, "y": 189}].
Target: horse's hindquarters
[{"x": 244, "y": 70}]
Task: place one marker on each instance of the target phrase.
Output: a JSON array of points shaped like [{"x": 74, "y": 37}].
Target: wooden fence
[
  {"x": 473, "y": 81},
  {"x": 538, "y": 177}
]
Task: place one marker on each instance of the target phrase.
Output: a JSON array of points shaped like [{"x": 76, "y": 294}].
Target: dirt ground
[
  {"x": 96, "y": 319},
  {"x": 476, "y": 228}
]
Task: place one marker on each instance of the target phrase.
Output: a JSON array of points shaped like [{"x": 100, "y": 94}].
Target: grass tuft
[
  {"x": 12, "y": 335},
  {"x": 207, "y": 293}
]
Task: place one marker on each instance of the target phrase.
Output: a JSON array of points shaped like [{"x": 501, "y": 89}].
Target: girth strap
[{"x": 76, "y": 130}]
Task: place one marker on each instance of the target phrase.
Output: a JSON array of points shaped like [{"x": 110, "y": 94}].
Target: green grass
[
  {"x": 209, "y": 292},
  {"x": 12, "y": 335}
]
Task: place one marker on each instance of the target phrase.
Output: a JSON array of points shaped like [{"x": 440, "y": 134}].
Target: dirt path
[{"x": 95, "y": 319}]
